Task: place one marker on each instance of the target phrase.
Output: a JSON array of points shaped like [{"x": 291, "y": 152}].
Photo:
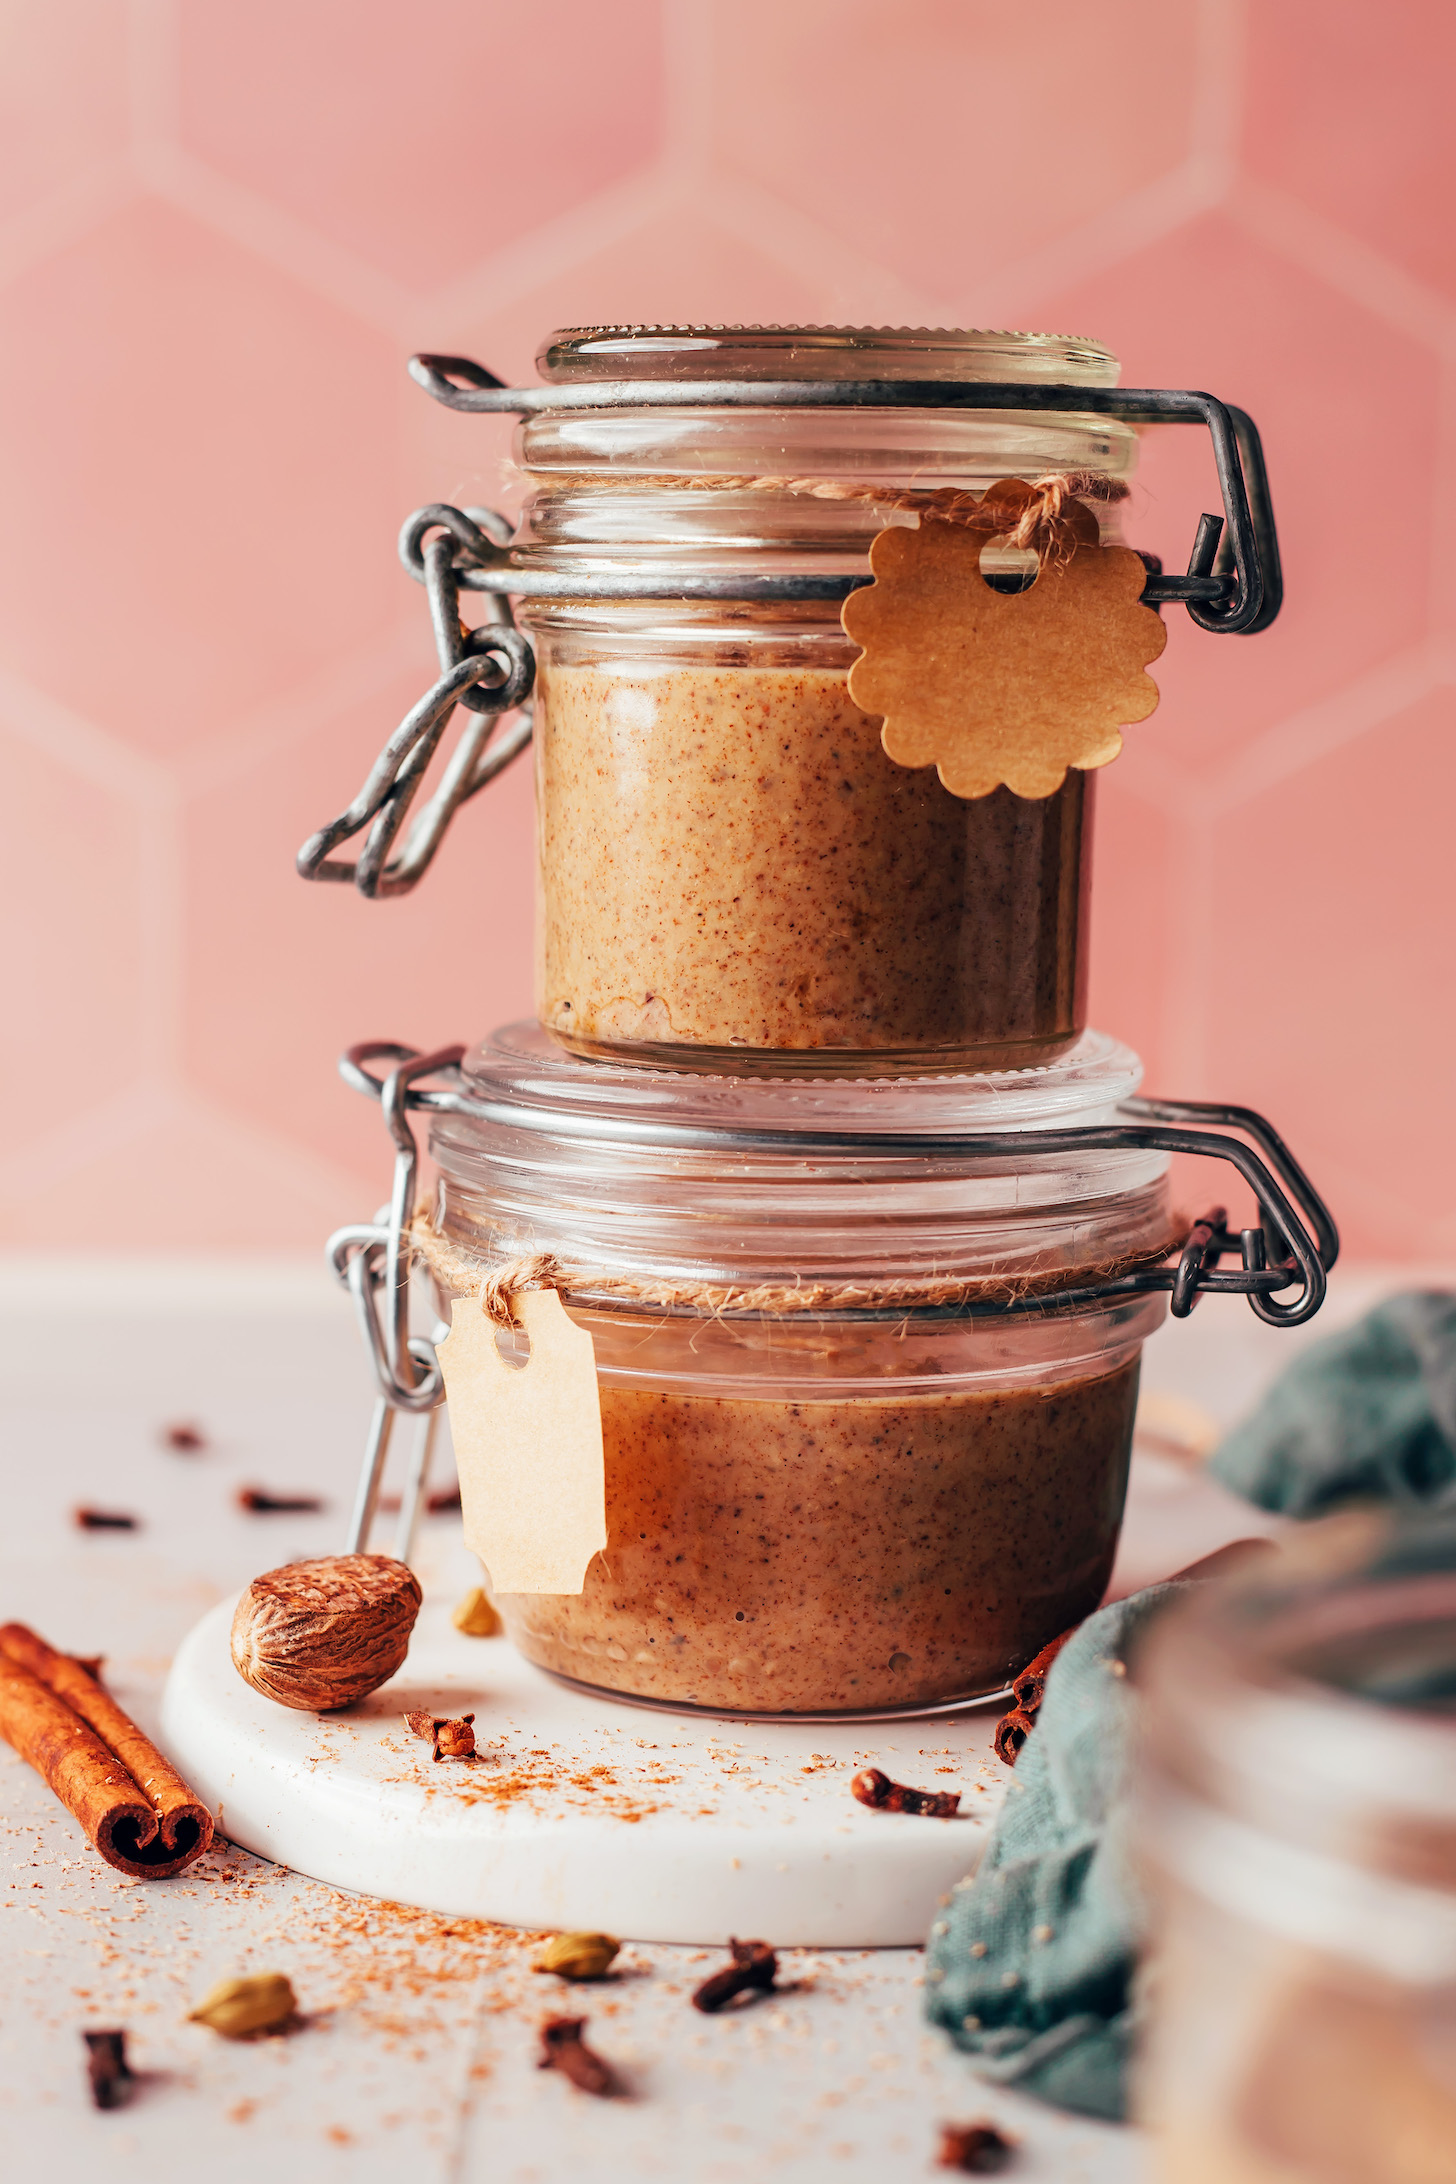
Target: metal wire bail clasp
[
  {"x": 488, "y": 670},
  {"x": 373, "y": 1261}
]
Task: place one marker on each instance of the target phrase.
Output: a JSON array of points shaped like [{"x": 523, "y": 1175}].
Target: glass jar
[
  {"x": 1298, "y": 1825},
  {"x": 829, "y": 1489},
  {"x": 734, "y": 874}
]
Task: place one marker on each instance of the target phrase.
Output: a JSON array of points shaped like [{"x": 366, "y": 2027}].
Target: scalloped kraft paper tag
[
  {"x": 528, "y": 1445},
  {"x": 993, "y": 687}
]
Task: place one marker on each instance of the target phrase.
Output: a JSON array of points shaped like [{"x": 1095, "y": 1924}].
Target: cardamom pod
[
  {"x": 578, "y": 1956},
  {"x": 476, "y": 1617},
  {"x": 241, "y": 2008}
]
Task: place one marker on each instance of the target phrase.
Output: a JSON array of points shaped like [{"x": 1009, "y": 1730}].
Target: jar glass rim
[
  {"x": 520, "y": 1067},
  {"x": 576, "y": 354}
]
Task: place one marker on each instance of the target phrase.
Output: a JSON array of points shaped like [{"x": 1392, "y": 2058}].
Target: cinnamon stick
[{"x": 131, "y": 1802}]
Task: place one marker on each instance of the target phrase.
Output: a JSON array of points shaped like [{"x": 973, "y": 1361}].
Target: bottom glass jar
[{"x": 828, "y": 1489}]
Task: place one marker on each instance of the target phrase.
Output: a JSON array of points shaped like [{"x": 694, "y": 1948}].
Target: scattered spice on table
[
  {"x": 132, "y": 1803},
  {"x": 578, "y": 1956},
  {"x": 258, "y": 1502},
  {"x": 107, "y": 2068},
  {"x": 452, "y": 1739},
  {"x": 106, "y": 1520},
  {"x": 184, "y": 1438},
  {"x": 977, "y": 2149},
  {"x": 248, "y": 2009},
  {"x": 564, "y": 2049},
  {"x": 876, "y": 1789},
  {"x": 753, "y": 1970}
]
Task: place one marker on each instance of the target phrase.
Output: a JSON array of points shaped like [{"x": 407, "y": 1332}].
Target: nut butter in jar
[
  {"x": 734, "y": 874},
  {"x": 831, "y": 1488}
]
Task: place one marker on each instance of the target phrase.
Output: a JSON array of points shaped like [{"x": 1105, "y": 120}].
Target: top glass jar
[{"x": 734, "y": 875}]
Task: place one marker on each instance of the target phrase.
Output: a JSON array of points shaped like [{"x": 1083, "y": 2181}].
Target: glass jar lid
[
  {"x": 744, "y": 1183},
  {"x": 577, "y": 353}
]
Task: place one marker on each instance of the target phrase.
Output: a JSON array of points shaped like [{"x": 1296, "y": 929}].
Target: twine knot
[
  {"x": 538, "y": 1270},
  {"x": 1046, "y": 521}
]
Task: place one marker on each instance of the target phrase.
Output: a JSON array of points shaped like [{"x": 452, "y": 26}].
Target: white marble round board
[{"x": 581, "y": 1812}]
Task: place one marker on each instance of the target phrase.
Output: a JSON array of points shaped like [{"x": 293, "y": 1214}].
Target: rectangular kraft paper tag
[{"x": 528, "y": 1444}]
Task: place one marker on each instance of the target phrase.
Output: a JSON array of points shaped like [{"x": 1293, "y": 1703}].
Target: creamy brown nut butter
[
  {"x": 730, "y": 861},
  {"x": 774, "y": 1556}
]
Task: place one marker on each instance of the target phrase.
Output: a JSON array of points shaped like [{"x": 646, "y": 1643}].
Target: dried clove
[
  {"x": 186, "y": 1440},
  {"x": 977, "y": 2149},
  {"x": 578, "y": 1956},
  {"x": 563, "y": 2049},
  {"x": 452, "y": 1739},
  {"x": 106, "y": 1520},
  {"x": 753, "y": 1970},
  {"x": 242, "y": 2009},
  {"x": 259, "y": 1503},
  {"x": 107, "y": 2068},
  {"x": 874, "y": 1788}
]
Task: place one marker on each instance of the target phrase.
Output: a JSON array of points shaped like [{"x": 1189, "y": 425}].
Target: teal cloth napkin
[
  {"x": 1031, "y": 1966},
  {"x": 1367, "y": 1415}
]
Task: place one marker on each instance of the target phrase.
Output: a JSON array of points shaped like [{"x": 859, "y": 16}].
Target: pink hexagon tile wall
[
  {"x": 423, "y": 142},
  {"x": 186, "y": 434},
  {"x": 1349, "y": 111},
  {"x": 440, "y": 964},
  {"x": 64, "y": 106},
  {"x": 81, "y": 909},
  {"x": 222, "y": 232},
  {"x": 920, "y": 135}
]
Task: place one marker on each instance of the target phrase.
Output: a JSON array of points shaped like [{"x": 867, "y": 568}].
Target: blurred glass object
[{"x": 1296, "y": 1830}]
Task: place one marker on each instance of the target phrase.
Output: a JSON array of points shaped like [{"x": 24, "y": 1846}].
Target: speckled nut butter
[
  {"x": 805, "y": 1557},
  {"x": 731, "y": 864}
]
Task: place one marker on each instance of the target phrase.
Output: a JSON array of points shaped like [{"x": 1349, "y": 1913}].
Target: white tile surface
[{"x": 418, "y": 2053}]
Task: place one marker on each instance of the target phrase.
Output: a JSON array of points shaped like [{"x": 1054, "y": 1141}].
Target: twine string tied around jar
[{"x": 463, "y": 1274}]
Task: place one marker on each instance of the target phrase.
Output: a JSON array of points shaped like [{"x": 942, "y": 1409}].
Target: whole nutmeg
[{"x": 317, "y": 1635}]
